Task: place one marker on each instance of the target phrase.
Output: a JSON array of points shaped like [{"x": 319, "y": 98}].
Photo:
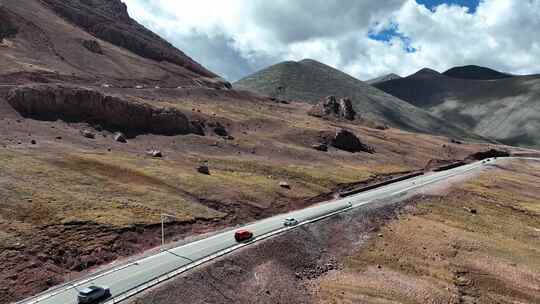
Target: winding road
[{"x": 127, "y": 280}]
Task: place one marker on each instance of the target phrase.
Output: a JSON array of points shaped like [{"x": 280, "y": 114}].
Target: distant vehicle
[
  {"x": 93, "y": 294},
  {"x": 349, "y": 205},
  {"x": 290, "y": 221},
  {"x": 243, "y": 235},
  {"x": 139, "y": 87}
]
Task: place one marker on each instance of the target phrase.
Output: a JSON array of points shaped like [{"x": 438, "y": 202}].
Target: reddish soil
[
  {"x": 390, "y": 253},
  {"x": 277, "y": 270},
  {"x": 39, "y": 236}
]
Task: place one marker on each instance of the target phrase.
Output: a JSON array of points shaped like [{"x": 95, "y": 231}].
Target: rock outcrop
[
  {"x": 347, "y": 141},
  {"x": 119, "y": 137},
  {"x": 7, "y": 26},
  {"x": 488, "y": 154},
  {"x": 331, "y": 107},
  {"x": 78, "y": 104},
  {"x": 93, "y": 46}
]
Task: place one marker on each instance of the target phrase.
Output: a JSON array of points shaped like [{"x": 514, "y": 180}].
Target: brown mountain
[{"x": 99, "y": 43}]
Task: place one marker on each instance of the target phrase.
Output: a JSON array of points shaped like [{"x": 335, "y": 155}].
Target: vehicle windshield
[{"x": 88, "y": 290}]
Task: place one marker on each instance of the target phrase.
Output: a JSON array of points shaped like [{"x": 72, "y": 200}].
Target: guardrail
[
  {"x": 381, "y": 184},
  {"x": 68, "y": 285},
  {"x": 174, "y": 273},
  {"x": 449, "y": 166}
]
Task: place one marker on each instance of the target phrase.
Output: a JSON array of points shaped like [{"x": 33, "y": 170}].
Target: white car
[
  {"x": 290, "y": 221},
  {"x": 93, "y": 294}
]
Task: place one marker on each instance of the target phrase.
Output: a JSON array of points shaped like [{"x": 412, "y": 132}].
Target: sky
[{"x": 365, "y": 38}]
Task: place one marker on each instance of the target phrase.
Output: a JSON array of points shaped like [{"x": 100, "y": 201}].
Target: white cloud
[{"x": 237, "y": 37}]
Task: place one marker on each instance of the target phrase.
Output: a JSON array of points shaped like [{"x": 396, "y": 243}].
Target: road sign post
[{"x": 163, "y": 217}]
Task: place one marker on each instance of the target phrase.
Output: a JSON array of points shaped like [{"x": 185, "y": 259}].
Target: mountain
[
  {"x": 99, "y": 43},
  {"x": 105, "y": 127},
  {"x": 311, "y": 81},
  {"x": 475, "y": 72},
  {"x": 383, "y": 78},
  {"x": 504, "y": 108}
]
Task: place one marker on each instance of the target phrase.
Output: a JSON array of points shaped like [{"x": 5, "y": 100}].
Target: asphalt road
[{"x": 129, "y": 279}]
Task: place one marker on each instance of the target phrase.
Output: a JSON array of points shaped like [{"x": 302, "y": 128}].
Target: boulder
[
  {"x": 79, "y": 104},
  {"x": 330, "y": 107},
  {"x": 88, "y": 134},
  {"x": 284, "y": 185},
  {"x": 203, "y": 169},
  {"x": 120, "y": 137},
  {"x": 7, "y": 24},
  {"x": 347, "y": 141},
  {"x": 154, "y": 153},
  {"x": 320, "y": 147},
  {"x": 220, "y": 130}
]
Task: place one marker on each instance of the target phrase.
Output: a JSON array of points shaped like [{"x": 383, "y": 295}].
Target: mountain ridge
[
  {"x": 311, "y": 81},
  {"x": 475, "y": 72},
  {"x": 504, "y": 109},
  {"x": 382, "y": 78}
]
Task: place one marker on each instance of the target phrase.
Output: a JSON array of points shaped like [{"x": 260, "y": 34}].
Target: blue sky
[
  {"x": 431, "y": 4},
  {"x": 393, "y": 32}
]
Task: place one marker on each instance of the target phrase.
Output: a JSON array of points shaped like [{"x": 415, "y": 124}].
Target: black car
[{"x": 93, "y": 294}]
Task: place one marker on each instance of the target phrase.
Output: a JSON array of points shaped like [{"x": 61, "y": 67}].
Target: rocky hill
[
  {"x": 502, "y": 107},
  {"x": 311, "y": 81},
  {"x": 99, "y": 43}
]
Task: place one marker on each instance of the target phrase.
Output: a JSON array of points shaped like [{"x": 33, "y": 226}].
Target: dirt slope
[
  {"x": 478, "y": 243},
  {"x": 505, "y": 109},
  {"x": 99, "y": 43},
  {"x": 311, "y": 81}
]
